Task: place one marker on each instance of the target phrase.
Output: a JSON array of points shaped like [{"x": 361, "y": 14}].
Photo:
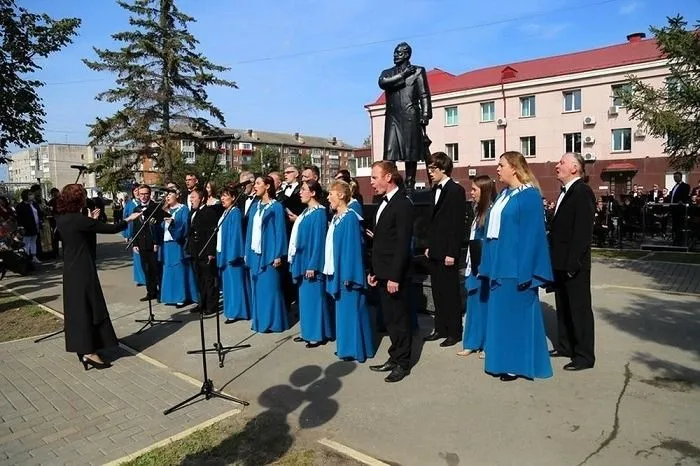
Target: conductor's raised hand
[
  {"x": 133, "y": 217},
  {"x": 95, "y": 213},
  {"x": 277, "y": 262},
  {"x": 372, "y": 280}
]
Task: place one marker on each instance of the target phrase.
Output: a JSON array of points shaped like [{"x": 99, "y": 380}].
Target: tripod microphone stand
[
  {"x": 151, "y": 321},
  {"x": 81, "y": 169},
  {"x": 218, "y": 347},
  {"x": 207, "y": 390}
]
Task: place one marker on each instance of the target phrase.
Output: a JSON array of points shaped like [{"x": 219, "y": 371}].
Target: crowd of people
[{"x": 273, "y": 240}]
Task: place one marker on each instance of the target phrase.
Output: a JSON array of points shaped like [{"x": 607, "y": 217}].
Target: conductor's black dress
[{"x": 87, "y": 323}]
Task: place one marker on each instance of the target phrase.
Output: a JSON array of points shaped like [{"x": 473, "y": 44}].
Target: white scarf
[
  {"x": 472, "y": 235},
  {"x": 494, "y": 227},
  {"x": 167, "y": 236},
  {"x": 219, "y": 236},
  {"x": 295, "y": 232},
  {"x": 256, "y": 235}
]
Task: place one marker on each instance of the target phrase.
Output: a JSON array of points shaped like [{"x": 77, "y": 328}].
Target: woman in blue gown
[
  {"x": 230, "y": 250},
  {"x": 174, "y": 287},
  {"x": 346, "y": 278},
  {"x": 516, "y": 262},
  {"x": 139, "y": 276},
  {"x": 305, "y": 257},
  {"x": 483, "y": 193},
  {"x": 266, "y": 245}
]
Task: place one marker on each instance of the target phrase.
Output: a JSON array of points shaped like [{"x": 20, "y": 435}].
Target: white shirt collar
[
  {"x": 444, "y": 181},
  {"x": 570, "y": 183},
  {"x": 391, "y": 193}
]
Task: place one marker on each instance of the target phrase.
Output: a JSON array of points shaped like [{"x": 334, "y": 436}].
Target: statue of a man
[{"x": 408, "y": 111}]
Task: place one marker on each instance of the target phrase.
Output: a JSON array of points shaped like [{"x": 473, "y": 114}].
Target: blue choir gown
[
  {"x": 139, "y": 276},
  {"x": 230, "y": 250}
]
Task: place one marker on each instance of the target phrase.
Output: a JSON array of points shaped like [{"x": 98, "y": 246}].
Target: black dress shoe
[
  {"x": 386, "y": 367},
  {"x": 196, "y": 309},
  {"x": 508, "y": 377},
  {"x": 298, "y": 339},
  {"x": 432, "y": 337},
  {"x": 572, "y": 367},
  {"x": 556, "y": 354},
  {"x": 230, "y": 321},
  {"x": 145, "y": 298},
  {"x": 315, "y": 344},
  {"x": 397, "y": 375},
  {"x": 449, "y": 342}
]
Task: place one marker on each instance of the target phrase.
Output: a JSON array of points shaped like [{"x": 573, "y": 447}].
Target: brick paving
[{"x": 52, "y": 411}]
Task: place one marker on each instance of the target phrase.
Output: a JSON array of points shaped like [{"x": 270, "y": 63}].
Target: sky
[{"x": 310, "y": 66}]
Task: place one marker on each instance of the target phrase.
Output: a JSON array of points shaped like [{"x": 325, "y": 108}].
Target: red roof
[
  {"x": 621, "y": 167},
  {"x": 631, "y": 52}
]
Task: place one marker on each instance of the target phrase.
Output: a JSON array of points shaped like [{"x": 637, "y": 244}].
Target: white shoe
[{"x": 36, "y": 261}]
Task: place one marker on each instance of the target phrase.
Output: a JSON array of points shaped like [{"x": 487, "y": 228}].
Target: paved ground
[{"x": 640, "y": 404}]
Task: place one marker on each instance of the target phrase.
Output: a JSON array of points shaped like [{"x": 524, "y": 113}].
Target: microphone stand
[
  {"x": 207, "y": 389},
  {"x": 151, "y": 321},
  {"x": 218, "y": 347}
]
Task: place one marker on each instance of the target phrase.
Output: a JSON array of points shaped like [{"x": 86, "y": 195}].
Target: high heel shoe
[{"x": 89, "y": 362}]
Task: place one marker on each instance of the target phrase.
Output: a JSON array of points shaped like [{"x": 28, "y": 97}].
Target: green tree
[
  {"x": 25, "y": 37},
  {"x": 265, "y": 159},
  {"x": 161, "y": 82},
  {"x": 206, "y": 167},
  {"x": 367, "y": 142},
  {"x": 673, "y": 110}
]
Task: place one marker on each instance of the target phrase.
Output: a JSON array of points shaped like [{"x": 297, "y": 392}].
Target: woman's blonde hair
[
  {"x": 521, "y": 168},
  {"x": 341, "y": 187}
]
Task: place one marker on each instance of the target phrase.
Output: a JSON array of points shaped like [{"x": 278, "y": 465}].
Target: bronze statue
[{"x": 408, "y": 111}]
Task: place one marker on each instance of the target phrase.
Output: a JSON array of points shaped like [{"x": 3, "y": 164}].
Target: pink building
[{"x": 543, "y": 108}]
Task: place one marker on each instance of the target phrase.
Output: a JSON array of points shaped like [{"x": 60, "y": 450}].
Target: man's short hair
[
  {"x": 442, "y": 161},
  {"x": 388, "y": 166},
  {"x": 314, "y": 169},
  {"x": 145, "y": 186},
  {"x": 678, "y": 173}
]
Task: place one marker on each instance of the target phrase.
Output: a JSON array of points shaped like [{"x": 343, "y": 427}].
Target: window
[
  {"x": 488, "y": 111},
  {"x": 572, "y": 142},
  {"x": 245, "y": 146},
  {"x": 222, "y": 159},
  {"x": 189, "y": 156},
  {"x": 622, "y": 140},
  {"x": 572, "y": 101},
  {"x": 527, "y": 146},
  {"x": 452, "y": 151},
  {"x": 451, "y": 116},
  {"x": 488, "y": 149},
  {"x": 617, "y": 91},
  {"x": 527, "y": 106}
]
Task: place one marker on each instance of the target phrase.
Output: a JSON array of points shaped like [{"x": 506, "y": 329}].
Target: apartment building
[{"x": 543, "y": 108}]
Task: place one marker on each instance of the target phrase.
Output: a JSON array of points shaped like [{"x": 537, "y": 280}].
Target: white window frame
[
  {"x": 452, "y": 151},
  {"x": 451, "y": 120},
  {"x": 492, "y": 106},
  {"x": 572, "y": 95},
  {"x": 525, "y": 146},
  {"x": 488, "y": 145},
  {"x": 528, "y": 108},
  {"x": 573, "y": 142},
  {"x": 628, "y": 132},
  {"x": 615, "y": 100}
]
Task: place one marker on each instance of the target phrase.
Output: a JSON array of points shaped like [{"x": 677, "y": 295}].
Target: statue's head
[{"x": 402, "y": 53}]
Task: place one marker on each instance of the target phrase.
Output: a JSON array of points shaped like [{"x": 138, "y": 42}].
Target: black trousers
[
  {"x": 208, "y": 285},
  {"x": 446, "y": 296},
  {"x": 150, "y": 270},
  {"x": 678, "y": 222},
  {"x": 576, "y": 333},
  {"x": 397, "y": 319}
]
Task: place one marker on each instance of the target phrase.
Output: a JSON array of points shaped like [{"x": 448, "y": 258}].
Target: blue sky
[{"x": 311, "y": 65}]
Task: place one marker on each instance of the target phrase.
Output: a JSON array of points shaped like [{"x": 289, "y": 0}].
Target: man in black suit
[
  {"x": 148, "y": 241},
  {"x": 570, "y": 237},
  {"x": 191, "y": 183},
  {"x": 203, "y": 221},
  {"x": 445, "y": 235},
  {"x": 656, "y": 195},
  {"x": 246, "y": 199},
  {"x": 680, "y": 194},
  {"x": 390, "y": 264},
  {"x": 292, "y": 199}
]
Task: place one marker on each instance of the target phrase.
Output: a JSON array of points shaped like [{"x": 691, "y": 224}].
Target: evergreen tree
[
  {"x": 265, "y": 160},
  {"x": 672, "y": 111},
  {"x": 161, "y": 82},
  {"x": 25, "y": 36}
]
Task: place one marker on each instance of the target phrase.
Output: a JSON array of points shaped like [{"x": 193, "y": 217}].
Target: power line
[{"x": 384, "y": 41}]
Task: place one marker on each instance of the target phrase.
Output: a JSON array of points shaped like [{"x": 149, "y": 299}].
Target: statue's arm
[
  {"x": 426, "y": 105},
  {"x": 389, "y": 81}
]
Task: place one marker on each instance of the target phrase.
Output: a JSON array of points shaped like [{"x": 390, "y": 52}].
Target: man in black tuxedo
[
  {"x": 445, "y": 235},
  {"x": 148, "y": 241},
  {"x": 390, "y": 264},
  {"x": 680, "y": 194},
  {"x": 292, "y": 199},
  {"x": 191, "y": 183},
  {"x": 246, "y": 199},
  {"x": 656, "y": 195},
  {"x": 203, "y": 221},
  {"x": 570, "y": 237}
]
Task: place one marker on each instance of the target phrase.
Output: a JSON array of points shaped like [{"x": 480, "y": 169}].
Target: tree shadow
[
  {"x": 664, "y": 275},
  {"x": 668, "y": 322},
  {"x": 268, "y": 436},
  {"x": 549, "y": 315},
  {"x": 17, "y": 303},
  {"x": 668, "y": 375}
]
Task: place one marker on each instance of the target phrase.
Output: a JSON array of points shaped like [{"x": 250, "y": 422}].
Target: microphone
[{"x": 82, "y": 168}]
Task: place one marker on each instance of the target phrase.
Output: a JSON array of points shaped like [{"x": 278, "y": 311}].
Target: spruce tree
[
  {"x": 161, "y": 83},
  {"x": 672, "y": 111}
]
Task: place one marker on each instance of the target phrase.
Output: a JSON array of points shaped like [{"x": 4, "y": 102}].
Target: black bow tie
[
  {"x": 563, "y": 189},
  {"x": 385, "y": 199},
  {"x": 436, "y": 187},
  {"x": 250, "y": 198}
]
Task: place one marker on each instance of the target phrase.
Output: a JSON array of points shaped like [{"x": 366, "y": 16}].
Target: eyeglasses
[
  {"x": 432, "y": 168},
  {"x": 288, "y": 172}
]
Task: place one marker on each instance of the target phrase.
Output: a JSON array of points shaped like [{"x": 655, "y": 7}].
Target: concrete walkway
[{"x": 640, "y": 404}]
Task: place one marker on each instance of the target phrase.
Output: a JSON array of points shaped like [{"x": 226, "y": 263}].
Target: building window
[
  {"x": 189, "y": 156},
  {"x": 617, "y": 91},
  {"x": 245, "y": 146},
  {"x": 452, "y": 151},
  {"x": 451, "y": 116},
  {"x": 572, "y": 142},
  {"x": 527, "y": 146},
  {"x": 572, "y": 101},
  {"x": 527, "y": 106},
  {"x": 488, "y": 149},
  {"x": 622, "y": 140},
  {"x": 488, "y": 111}
]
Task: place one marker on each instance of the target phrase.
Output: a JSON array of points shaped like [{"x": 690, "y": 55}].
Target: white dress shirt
[
  {"x": 382, "y": 206},
  {"x": 442, "y": 184},
  {"x": 567, "y": 186}
]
